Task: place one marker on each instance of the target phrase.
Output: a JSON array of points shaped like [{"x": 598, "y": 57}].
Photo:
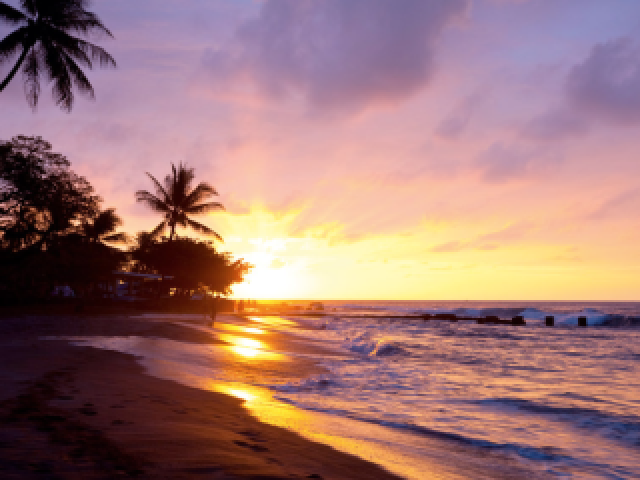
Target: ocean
[{"x": 560, "y": 401}]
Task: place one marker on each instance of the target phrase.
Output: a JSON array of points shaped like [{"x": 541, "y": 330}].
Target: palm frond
[
  {"x": 201, "y": 192},
  {"x": 170, "y": 181},
  {"x": 159, "y": 189},
  {"x": 59, "y": 73},
  {"x": 85, "y": 52},
  {"x": 80, "y": 21},
  {"x": 79, "y": 79},
  {"x": 158, "y": 230},
  {"x": 97, "y": 53},
  {"x": 69, "y": 44},
  {"x": 181, "y": 185},
  {"x": 152, "y": 201},
  {"x": 204, "y": 208},
  {"x": 31, "y": 72},
  {"x": 199, "y": 227},
  {"x": 13, "y": 42},
  {"x": 30, "y": 6},
  {"x": 11, "y": 15}
]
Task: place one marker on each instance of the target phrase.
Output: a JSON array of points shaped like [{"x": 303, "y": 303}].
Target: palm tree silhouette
[
  {"x": 177, "y": 200},
  {"x": 47, "y": 47},
  {"x": 102, "y": 228}
]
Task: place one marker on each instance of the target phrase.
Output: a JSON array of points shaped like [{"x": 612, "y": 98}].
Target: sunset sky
[{"x": 377, "y": 149}]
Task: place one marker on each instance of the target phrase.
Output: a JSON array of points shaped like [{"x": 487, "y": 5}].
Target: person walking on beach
[{"x": 214, "y": 310}]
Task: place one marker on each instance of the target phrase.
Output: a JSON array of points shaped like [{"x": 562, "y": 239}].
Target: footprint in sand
[
  {"x": 255, "y": 448},
  {"x": 253, "y": 435}
]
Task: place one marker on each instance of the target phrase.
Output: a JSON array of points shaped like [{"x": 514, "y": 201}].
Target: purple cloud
[
  {"x": 458, "y": 119},
  {"x": 336, "y": 54},
  {"x": 501, "y": 164},
  {"x": 607, "y": 84},
  {"x": 624, "y": 203},
  {"x": 555, "y": 125}
]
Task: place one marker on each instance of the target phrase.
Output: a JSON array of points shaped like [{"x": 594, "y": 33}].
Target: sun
[{"x": 268, "y": 283}]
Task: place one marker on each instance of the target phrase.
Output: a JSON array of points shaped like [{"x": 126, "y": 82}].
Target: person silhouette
[{"x": 214, "y": 310}]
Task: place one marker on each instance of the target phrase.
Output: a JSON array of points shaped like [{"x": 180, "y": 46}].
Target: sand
[{"x": 78, "y": 412}]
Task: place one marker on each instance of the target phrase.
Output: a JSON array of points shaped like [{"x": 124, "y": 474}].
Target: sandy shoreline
[{"x": 79, "y": 412}]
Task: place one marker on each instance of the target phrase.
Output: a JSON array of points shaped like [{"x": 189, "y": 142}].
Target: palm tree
[
  {"x": 48, "y": 47},
  {"x": 176, "y": 200},
  {"x": 102, "y": 227}
]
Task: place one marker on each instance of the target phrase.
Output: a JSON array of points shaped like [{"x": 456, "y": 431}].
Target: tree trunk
[{"x": 15, "y": 68}]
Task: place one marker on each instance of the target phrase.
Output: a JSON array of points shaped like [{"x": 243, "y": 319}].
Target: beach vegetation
[
  {"x": 193, "y": 265},
  {"x": 177, "y": 200},
  {"x": 52, "y": 229},
  {"x": 48, "y": 46},
  {"x": 56, "y": 237},
  {"x": 41, "y": 198}
]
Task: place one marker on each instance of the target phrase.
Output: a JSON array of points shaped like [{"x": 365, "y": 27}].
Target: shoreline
[
  {"x": 104, "y": 396},
  {"x": 80, "y": 412}
]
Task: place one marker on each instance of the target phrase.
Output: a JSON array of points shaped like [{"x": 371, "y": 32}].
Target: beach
[
  {"x": 79, "y": 412},
  {"x": 359, "y": 392}
]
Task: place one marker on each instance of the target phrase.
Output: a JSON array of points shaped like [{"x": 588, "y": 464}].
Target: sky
[{"x": 376, "y": 149}]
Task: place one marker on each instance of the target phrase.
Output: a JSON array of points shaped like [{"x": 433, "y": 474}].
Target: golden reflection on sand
[
  {"x": 354, "y": 438},
  {"x": 249, "y": 347},
  {"x": 255, "y": 331},
  {"x": 273, "y": 321},
  {"x": 239, "y": 328},
  {"x": 233, "y": 391}
]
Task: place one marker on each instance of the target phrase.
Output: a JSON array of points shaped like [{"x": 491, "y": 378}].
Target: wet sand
[{"x": 78, "y": 412}]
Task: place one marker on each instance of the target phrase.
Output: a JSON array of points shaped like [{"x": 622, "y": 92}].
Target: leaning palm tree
[
  {"x": 47, "y": 47},
  {"x": 176, "y": 200}
]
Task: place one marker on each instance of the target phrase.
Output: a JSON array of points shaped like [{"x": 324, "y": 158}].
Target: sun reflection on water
[
  {"x": 240, "y": 393},
  {"x": 241, "y": 329},
  {"x": 273, "y": 321},
  {"x": 354, "y": 438},
  {"x": 249, "y": 347}
]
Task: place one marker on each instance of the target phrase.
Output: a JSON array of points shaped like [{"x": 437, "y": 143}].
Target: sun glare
[{"x": 268, "y": 283}]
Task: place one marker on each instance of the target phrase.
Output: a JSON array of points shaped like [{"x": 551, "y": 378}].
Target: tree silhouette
[
  {"x": 52, "y": 231},
  {"x": 176, "y": 200},
  {"x": 47, "y": 47},
  {"x": 41, "y": 198},
  {"x": 101, "y": 229},
  {"x": 192, "y": 264}
]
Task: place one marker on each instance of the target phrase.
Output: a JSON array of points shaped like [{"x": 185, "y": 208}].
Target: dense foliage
[
  {"x": 41, "y": 198},
  {"x": 52, "y": 231},
  {"x": 194, "y": 265}
]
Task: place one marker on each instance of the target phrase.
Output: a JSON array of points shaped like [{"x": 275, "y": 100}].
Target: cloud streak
[{"x": 488, "y": 241}]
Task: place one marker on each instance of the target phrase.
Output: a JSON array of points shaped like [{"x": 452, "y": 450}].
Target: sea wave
[
  {"x": 552, "y": 457},
  {"x": 621, "y": 428},
  {"x": 312, "y": 384},
  {"x": 374, "y": 348},
  {"x": 532, "y": 315}
]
